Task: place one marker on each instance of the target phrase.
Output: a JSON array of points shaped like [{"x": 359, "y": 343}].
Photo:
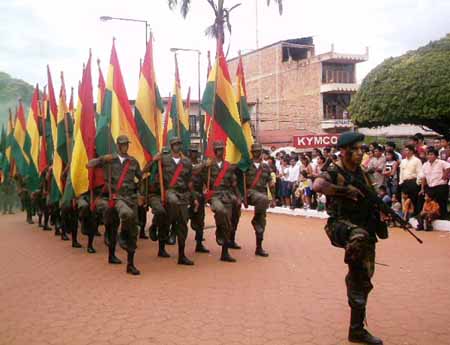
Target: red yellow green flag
[
  {"x": 219, "y": 100},
  {"x": 21, "y": 143},
  {"x": 149, "y": 106},
  {"x": 117, "y": 118},
  {"x": 241, "y": 93},
  {"x": 33, "y": 132}
]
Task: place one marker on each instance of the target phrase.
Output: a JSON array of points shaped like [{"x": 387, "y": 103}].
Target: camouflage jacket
[{"x": 264, "y": 180}]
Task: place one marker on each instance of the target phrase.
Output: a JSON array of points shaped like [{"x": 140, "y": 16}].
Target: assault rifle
[{"x": 373, "y": 198}]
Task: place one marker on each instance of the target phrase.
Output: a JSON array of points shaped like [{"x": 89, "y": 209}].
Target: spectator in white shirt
[
  {"x": 435, "y": 174},
  {"x": 411, "y": 175},
  {"x": 376, "y": 167}
]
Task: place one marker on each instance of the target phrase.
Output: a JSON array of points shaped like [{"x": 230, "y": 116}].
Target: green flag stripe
[{"x": 148, "y": 139}]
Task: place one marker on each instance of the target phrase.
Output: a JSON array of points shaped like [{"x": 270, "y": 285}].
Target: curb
[{"x": 440, "y": 225}]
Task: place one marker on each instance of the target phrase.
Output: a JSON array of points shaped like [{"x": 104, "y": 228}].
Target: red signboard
[{"x": 315, "y": 140}]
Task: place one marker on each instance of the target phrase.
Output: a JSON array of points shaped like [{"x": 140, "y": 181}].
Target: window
[{"x": 193, "y": 125}]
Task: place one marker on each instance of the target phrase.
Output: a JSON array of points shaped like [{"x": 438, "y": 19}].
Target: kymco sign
[{"x": 315, "y": 140}]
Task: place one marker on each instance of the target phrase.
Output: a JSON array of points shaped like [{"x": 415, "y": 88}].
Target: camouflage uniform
[
  {"x": 257, "y": 196},
  {"x": 7, "y": 195},
  {"x": 178, "y": 198},
  {"x": 24, "y": 195},
  {"x": 223, "y": 200},
  {"x": 197, "y": 214},
  {"x": 122, "y": 209},
  {"x": 351, "y": 226}
]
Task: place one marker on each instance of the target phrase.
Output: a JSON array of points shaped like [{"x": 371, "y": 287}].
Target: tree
[
  {"x": 410, "y": 89},
  {"x": 10, "y": 91},
  {"x": 221, "y": 13}
]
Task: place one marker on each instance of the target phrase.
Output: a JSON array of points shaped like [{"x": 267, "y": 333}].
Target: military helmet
[
  {"x": 218, "y": 145},
  {"x": 175, "y": 140},
  {"x": 256, "y": 147},
  {"x": 349, "y": 138},
  {"x": 194, "y": 148},
  {"x": 122, "y": 139}
]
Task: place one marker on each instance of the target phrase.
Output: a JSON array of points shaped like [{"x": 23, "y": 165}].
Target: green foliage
[
  {"x": 411, "y": 89},
  {"x": 10, "y": 91}
]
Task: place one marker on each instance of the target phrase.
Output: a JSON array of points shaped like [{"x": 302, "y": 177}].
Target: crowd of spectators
[{"x": 413, "y": 179}]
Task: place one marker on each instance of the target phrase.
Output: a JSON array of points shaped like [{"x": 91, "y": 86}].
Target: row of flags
[{"x": 58, "y": 135}]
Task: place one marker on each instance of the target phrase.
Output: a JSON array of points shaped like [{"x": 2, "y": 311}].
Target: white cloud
[{"x": 34, "y": 33}]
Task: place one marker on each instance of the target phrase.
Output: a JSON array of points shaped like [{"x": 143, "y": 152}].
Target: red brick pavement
[{"x": 53, "y": 294}]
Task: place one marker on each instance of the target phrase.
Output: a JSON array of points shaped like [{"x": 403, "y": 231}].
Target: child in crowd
[
  {"x": 408, "y": 207},
  {"x": 430, "y": 212},
  {"x": 321, "y": 201},
  {"x": 396, "y": 205},
  {"x": 305, "y": 189},
  {"x": 383, "y": 195}
]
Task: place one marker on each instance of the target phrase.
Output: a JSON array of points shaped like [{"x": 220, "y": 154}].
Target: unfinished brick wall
[{"x": 288, "y": 92}]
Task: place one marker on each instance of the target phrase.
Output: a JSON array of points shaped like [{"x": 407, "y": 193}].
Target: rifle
[{"x": 373, "y": 198}]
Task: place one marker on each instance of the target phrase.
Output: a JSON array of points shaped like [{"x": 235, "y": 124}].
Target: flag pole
[
  {"x": 240, "y": 118},
  {"x": 177, "y": 77},
  {"x": 210, "y": 133}
]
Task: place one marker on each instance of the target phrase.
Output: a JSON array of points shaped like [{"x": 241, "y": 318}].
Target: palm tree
[{"x": 221, "y": 13}]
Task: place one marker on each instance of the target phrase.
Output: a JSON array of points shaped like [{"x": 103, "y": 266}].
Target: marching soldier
[
  {"x": 353, "y": 225},
  {"x": 257, "y": 180},
  {"x": 41, "y": 201},
  {"x": 197, "y": 209},
  {"x": 24, "y": 195},
  {"x": 177, "y": 172},
  {"x": 222, "y": 187},
  {"x": 7, "y": 188},
  {"x": 122, "y": 170}
]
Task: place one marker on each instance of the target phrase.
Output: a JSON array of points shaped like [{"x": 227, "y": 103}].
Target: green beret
[
  {"x": 256, "y": 147},
  {"x": 122, "y": 139},
  {"x": 194, "y": 148},
  {"x": 175, "y": 140},
  {"x": 349, "y": 138}
]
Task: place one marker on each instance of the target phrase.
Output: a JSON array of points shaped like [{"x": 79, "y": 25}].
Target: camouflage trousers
[
  {"x": 178, "y": 213},
  {"x": 197, "y": 218},
  {"x": 124, "y": 213},
  {"x": 160, "y": 218},
  {"x": 261, "y": 203},
  {"x": 227, "y": 212},
  {"x": 359, "y": 256}
]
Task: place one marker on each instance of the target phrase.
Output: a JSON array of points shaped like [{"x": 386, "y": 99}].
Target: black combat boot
[
  {"x": 233, "y": 244},
  {"x": 142, "y": 233},
  {"x": 40, "y": 220},
  {"x": 153, "y": 232},
  {"x": 357, "y": 333},
  {"x": 64, "y": 236},
  {"x": 90, "y": 247},
  {"x": 131, "y": 269},
  {"x": 112, "y": 258},
  {"x": 259, "y": 249},
  {"x": 162, "y": 250},
  {"x": 46, "y": 218},
  {"x": 75, "y": 243},
  {"x": 182, "y": 258},
  {"x": 200, "y": 248},
  {"x": 225, "y": 256},
  {"x": 172, "y": 240},
  {"x": 29, "y": 218}
]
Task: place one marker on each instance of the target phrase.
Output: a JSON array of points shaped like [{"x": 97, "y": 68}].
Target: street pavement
[{"x": 53, "y": 294}]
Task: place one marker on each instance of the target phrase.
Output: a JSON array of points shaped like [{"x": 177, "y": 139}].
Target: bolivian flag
[
  {"x": 117, "y": 118},
  {"x": 84, "y": 147},
  {"x": 61, "y": 152},
  {"x": 8, "y": 160},
  {"x": 33, "y": 133},
  {"x": 241, "y": 94},
  {"x": 100, "y": 92},
  {"x": 149, "y": 106},
  {"x": 52, "y": 114},
  {"x": 21, "y": 142},
  {"x": 180, "y": 119},
  {"x": 220, "y": 101},
  {"x": 43, "y": 152}
]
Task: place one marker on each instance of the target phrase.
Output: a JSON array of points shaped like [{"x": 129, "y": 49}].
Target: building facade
[{"x": 297, "y": 92}]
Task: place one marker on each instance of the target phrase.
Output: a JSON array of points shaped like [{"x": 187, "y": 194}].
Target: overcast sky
[{"x": 60, "y": 33}]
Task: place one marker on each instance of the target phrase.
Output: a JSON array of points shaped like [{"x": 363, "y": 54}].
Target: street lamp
[
  {"x": 147, "y": 25},
  {"x": 199, "y": 53}
]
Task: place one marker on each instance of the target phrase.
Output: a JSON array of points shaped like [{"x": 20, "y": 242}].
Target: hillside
[{"x": 10, "y": 91}]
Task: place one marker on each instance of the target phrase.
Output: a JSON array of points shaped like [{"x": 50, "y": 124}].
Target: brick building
[{"x": 298, "y": 92}]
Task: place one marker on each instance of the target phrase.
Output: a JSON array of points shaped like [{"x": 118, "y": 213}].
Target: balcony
[
  {"x": 337, "y": 123},
  {"x": 339, "y": 88}
]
